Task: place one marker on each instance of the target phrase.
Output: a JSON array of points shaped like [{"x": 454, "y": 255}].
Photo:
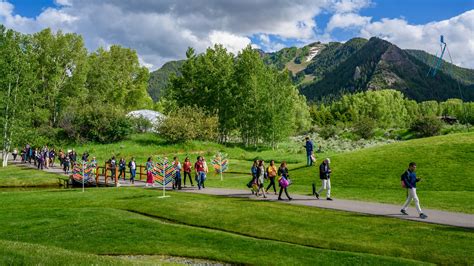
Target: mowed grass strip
[
  {"x": 22, "y": 176},
  {"x": 136, "y": 221},
  {"x": 109, "y": 231},
  {"x": 20, "y": 253}
]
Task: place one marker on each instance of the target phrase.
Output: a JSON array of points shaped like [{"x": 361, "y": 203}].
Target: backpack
[{"x": 403, "y": 185}]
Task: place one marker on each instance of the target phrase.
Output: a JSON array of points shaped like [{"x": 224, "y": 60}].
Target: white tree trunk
[
  {"x": 5, "y": 158},
  {"x": 5, "y": 131}
]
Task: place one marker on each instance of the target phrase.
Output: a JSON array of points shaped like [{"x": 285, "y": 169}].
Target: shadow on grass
[{"x": 136, "y": 197}]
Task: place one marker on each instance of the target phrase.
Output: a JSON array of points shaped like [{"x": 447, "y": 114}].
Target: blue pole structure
[{"x": 440, "y": 58}]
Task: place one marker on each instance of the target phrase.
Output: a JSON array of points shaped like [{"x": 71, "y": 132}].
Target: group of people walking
[
  {"x": 260, "y": 174},
  {"x": 122, "y": 168},
  {"x": 45, "y": 157},
  {"x": 41, "y": 157}
]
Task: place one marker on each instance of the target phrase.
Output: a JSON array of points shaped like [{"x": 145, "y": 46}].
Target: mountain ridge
[{"x": 328, "y": 70}]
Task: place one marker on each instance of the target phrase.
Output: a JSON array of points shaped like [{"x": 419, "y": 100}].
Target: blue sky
[{"x": 162, "y": 30}]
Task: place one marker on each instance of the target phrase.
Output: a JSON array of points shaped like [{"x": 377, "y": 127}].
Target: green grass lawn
[
  {"x": 117, "y": 221},
  {"x": 20, "y": 253},
  {"x": 14, "y": 176}
]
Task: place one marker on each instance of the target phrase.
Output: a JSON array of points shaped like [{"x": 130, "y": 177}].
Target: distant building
[
  {"x": 153, "y": 116},
  {"x": 448, "y": 119}
]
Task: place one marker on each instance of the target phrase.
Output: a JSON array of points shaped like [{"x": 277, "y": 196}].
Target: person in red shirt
[
  {"x": 200, "y": 172},
  {"x": 187, "y": 171}
]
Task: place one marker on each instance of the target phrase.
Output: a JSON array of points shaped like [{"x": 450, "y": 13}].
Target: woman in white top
[
  {"x": 261, "y": 178},
  {"x": 177, "y": 176}
]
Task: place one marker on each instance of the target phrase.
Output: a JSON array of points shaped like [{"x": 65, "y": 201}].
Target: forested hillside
[
  {"x": 159, "y": 78},
  {"x": 325, "y": 71}
]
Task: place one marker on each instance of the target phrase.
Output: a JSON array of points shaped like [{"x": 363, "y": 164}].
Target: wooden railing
[{"x": 113, "y": 173}]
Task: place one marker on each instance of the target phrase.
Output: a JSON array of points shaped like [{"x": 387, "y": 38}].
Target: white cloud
[
  {"x": 162, "y": 30},
  {"x": 63, "y": 2},
  {"x": 348, "y": 6},
  {"x": 347, "y": 20},
  {"x": 5, "y": 9},
  {"x": 458, "y": 33},
  {"x": 232, "y": 42},
  {"x": 268, "y": 45}
]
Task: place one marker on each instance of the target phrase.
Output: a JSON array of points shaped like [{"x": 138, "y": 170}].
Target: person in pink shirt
[{"x": 187, "y": 171}]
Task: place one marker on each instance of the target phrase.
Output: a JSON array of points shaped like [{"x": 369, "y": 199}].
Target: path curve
[{"x": 456, "y": 219}]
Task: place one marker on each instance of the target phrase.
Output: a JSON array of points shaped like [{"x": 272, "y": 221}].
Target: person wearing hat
[{"x": 325, "y": 175}]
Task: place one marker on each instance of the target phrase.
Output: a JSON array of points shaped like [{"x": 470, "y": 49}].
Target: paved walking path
[{"x": 372, "y": 208}]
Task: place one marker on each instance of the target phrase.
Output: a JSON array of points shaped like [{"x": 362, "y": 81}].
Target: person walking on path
[
  {"x": 149, "y": 174},
  {"x": 52, "y": 156},
  {"x": 206, "y": 169},
  {"x": 200, "y": 172},
  {"x": 409, "y": 180},
  {"x": 30, "y": 153},
  {"x": 73, "y": 156},
  {"x": 132, "y": 165},
  {"x": 261, "y": 178},
  {"x": 325, "y": 176},
  {"x": 122, "y": 168},
  {"x": 85, "y": 157},
  {"x": 93, "y": 164},
  {"x": 23, "y": 156},
  {"x": 177, "y": 173},
  {"x": 309, "y": 151},
  {"x": 283, "y": 182},
  {"x": 187, "y": 171},
  {"x": 66, "y": 163},
  {"x": 15, "y": 153},
  {"x": 253, "y": 172},
  {"x": 113, "y": 168},
  {"x": 45, "y": 153},
  {"x": 39, "y": 160},
  {"x": 271, "y": 174},
  {"x": 61, "y": 157}
]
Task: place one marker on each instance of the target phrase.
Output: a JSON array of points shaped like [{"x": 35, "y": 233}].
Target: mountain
[
  {"x": 159, "y": 78},
  {"x": 378, "y": 64},
  {"x": 328, "y": 70}
]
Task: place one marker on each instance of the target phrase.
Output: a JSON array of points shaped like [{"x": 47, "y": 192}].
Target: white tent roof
[{"x": 152, "y": 116}]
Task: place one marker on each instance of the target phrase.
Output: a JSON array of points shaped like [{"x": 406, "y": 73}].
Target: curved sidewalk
[{"x": 379, "y": 209}]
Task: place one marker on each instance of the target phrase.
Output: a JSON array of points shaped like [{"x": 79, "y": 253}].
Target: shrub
[
  {"x": 426, "y": 126},
  {"x": 141, "y": 124},
  {"x": 188, "y": 123},
  {"x": 364, "y": 128},
  {"x": 327, "y": 132},
  {"x": 103, "y": 125}
]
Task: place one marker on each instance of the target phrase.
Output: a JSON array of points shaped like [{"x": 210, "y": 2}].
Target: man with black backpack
[{"x": 408, "y": 181}]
